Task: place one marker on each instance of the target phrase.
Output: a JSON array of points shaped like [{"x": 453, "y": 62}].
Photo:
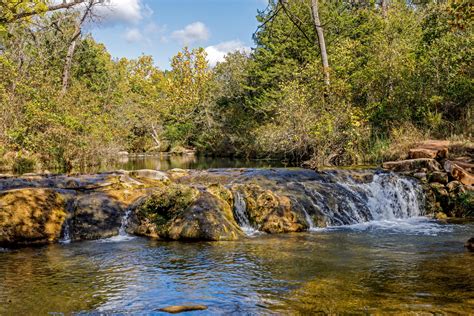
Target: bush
[{"x": 23, "y": 165}]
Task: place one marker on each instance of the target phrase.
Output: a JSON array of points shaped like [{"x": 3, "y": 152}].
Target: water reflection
[
  {"x": 331, "y": 271},
  {"x": 167, "y": 162}
]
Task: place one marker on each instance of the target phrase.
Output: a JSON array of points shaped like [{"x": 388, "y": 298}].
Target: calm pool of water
[
  {"x": 167, "y": 162},
  {"x": 384, "y": 267}
]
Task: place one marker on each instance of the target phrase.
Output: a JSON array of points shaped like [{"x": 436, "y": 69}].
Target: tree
[{"x": 321, "y": 41}]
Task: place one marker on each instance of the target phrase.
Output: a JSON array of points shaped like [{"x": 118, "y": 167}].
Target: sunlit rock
[{"x": 29, "y": 216}]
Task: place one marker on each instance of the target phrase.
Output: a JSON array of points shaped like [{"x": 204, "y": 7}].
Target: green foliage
[
  {"x": 464, "y": 205},
  {"x": 395, "y": 78},
  {"x": 167, "y": 202},
  {"x": 23, "y": 165}
]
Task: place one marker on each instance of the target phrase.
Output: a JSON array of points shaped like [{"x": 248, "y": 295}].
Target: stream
[
  {"x": 387, "y": 266},
  {"x": 377, "y": 254}
]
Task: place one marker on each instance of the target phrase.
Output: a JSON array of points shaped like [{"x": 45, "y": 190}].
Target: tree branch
[{"x": 64, "y": 5}]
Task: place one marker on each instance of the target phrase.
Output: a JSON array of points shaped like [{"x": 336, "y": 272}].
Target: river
[
  {"x": 377, "y": 255},
  {"x": 409, "y": 265}
]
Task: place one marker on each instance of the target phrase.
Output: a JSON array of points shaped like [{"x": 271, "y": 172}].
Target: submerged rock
[
  {"x": 31, "y": 216},
  {"x": 182, "y": 308}
]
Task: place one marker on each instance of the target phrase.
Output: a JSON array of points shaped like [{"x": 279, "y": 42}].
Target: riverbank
[{"x": 446, "y": 173}]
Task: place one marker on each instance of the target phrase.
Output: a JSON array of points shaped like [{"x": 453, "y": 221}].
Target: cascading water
[
  {"x": 124, "y": 222},
  {"x": 240, "y": 212},
  {"x": 122, "y": 235},
  {"x": 66, "y": 239},
  {"x": 392, "y": 197},
  {"x": 340, "y": 198}
]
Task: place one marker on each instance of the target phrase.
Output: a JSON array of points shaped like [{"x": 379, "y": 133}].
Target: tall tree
[
  {"x": 321, "y": 41},
  {"x": 72, "y": 43}
]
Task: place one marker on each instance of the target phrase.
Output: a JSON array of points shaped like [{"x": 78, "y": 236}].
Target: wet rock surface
[{"x": 217, "y": 204}]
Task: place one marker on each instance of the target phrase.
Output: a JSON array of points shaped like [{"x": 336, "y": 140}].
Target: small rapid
[
  {"x": 341, "y": 198},
  {"x": 122, "y": 235},
  {"x": 240, "y": 213}
]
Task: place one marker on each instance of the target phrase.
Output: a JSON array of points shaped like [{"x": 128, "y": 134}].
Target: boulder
[
  {"x": 458, "y": 173},
  {"x": 470, "y": 244},
  {"x": 412, "y": 165},
  {"x": 174, "y": 309},
  {"x": 468, "y": 166},
  {"x": 417, "y": 153},
  {"x": 270, "y": 212},
  {"x": 208, "y": 218},
  {"x": 149, "y": 174},
  {"x": 438, "y": 146},
  {"x": 438, "y": 176},
  {"x": 94, "y": 216},
  {"x": 455, "y": 187},
  {"x": 181, "y": 212},
  {"x": 420, "y": 176},
  {"x": 439, "y": 189},
  {"x": 31, "y": 216}
]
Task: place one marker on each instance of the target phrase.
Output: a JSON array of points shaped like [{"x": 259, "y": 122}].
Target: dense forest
[{"x": 333, "y": 82}]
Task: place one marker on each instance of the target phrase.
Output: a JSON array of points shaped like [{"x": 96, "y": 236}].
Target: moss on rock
[{"x": 161, "y": 206}]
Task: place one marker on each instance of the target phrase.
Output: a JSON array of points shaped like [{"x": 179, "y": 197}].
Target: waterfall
[
  {"x": 122, "y": 235},
  {"x": 389, "y": 196},
  {"x": 66, "y": 233},
  {"x": 124, "y": 222},
  {"x": 240, "y": 213},
  {"x": 340, "y": 200}
]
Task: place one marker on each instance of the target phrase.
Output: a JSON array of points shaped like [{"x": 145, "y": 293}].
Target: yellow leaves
[{"x": 188, "y": 84}]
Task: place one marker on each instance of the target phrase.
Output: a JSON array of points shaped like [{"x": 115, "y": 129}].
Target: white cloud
[
  {"x": 217, "y": 53},
  {"x": 122, "y": 11},
  {"x": 191, "y": 33},
  {"x": 148, "y": 34},
  {"x": 133, "y": 35}
]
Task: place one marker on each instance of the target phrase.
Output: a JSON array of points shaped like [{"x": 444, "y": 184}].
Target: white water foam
[
  {"x": 387, "y": 196},
  {"x": 122, "y": 235},
  {"x": 408, "y": 226},
  {"x": 387, "y": 203}
]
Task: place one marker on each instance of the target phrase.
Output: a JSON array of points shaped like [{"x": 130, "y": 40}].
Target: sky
[{"x": 160, "y": 28}]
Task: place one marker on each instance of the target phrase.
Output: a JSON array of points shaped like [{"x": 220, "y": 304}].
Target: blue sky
[{"x": 161, "y": 28}]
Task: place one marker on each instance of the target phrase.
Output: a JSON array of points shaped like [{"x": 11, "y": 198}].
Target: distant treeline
[{"x": 395, "y": 72}]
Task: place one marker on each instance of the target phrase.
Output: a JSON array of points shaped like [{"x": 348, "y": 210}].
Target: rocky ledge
[
  {"x": 447, "y": 178},
  {"x": 174, "y": 205}
]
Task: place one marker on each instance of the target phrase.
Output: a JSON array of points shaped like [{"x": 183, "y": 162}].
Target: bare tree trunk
[
  {"x": 68, "y": 62},
  {"x": 72, "y": 47},
  {"x": 384, "y": 5},
  {"x": 155, "y": 136},
  {"x": 321, "y": 41}
]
